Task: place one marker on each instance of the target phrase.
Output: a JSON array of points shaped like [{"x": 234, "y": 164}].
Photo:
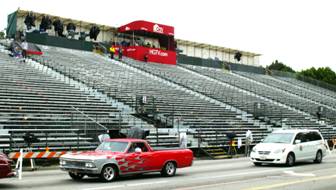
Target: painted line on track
[
  {"x": 278, "y": 185},
  {"x": 126, "y": 185},
  {"x": 241, "y": 174},
  {"x": 292, "y": 173},
  {"x": 207, "y": 186}
]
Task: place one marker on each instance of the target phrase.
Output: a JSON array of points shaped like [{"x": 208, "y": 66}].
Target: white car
[{"x": 288, "y": 147}]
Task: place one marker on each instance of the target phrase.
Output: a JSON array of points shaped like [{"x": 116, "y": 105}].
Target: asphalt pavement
[{"x": 229, "y": 174}]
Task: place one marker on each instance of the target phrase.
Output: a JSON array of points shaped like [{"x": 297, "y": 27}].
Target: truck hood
[{"x": 91, "y": 155}]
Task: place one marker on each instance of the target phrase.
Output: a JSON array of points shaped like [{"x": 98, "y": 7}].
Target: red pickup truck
[
  {"x": 118, "y": 157},
  {"x": 5, "y": 166}
]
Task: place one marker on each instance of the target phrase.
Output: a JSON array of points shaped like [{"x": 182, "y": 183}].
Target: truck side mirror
[{"x": 297, "y": 141}]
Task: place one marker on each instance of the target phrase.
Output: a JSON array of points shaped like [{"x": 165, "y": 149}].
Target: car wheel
[
  {"x": 76, "y": 176},
  {"x": 169, "y": 169},
  {"x": 257, "y": 163},
  {"x": 290, "y": 161},
  {"x": 108, "y": 173},
  {"x": 318, "y": 158}
]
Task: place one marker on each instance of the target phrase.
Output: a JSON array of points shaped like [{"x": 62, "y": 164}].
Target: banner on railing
[{"x": 38, "y": 155}]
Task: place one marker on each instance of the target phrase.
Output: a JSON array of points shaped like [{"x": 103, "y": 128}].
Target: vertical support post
[
  {"x": 216, "y": 131},
  {"x": 11, "y": 141},
  {"x": 77, "y": 139},
  {"x": 46, "y": 134},
  {"x": 20, "y": 159}
]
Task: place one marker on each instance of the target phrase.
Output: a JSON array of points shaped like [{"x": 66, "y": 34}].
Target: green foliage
[
  {"x": 2, "y": 35},
  {"x": 279, "y": 66},
  {"x": 324, "y": 74}
]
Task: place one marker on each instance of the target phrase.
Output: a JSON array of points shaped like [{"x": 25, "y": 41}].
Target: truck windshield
[
  {"x": 113, "y": 146},
  {"x": 279, "y": 138}
]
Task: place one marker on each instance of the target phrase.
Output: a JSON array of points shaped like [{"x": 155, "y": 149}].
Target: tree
[
  {"x": 324, "y": 74},
  {"x": 279, "y": 66},
  {"x": 2, "y": 35}
]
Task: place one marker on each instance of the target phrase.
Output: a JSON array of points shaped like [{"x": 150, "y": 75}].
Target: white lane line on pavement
[
  {"x": 147, "y": 183},
  {"x": 208, "y": 185},
  {"x": 125, "y": 185},
  {"x": 240, "y": 174},
  {"x": 292, "y": 173},
  {"x": 106, "y": 187},
  {"x": 285, "y": 184}
]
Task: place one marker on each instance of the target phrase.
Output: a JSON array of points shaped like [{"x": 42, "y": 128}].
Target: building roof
[
  {"x": 22, "y": 13},
  {"x": 83, "y": 24},
  {"x": 214, "y": 47}
]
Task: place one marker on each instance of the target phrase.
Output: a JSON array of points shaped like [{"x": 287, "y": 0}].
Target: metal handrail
[{"x": 100, "y": 125}]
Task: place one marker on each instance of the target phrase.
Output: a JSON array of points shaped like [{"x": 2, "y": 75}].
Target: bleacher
[
  {"x": 208, "y": 103},
  {"x": 304, "y": 99},
  {"x": 59, "y": 115},
  {"x": 236, "y": 91},
  {"x": 282, "y": 106},
  {"x": 209, "y": 121}
]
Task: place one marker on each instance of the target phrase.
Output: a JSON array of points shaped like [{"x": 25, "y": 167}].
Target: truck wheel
[
  {"x": 169, "y": 169},
  {"x": 290, "y": 161},
  {"x": 75, "y": 176},
  {"x": 318, "y": 158},
  {"x": 108, "y": 173}
]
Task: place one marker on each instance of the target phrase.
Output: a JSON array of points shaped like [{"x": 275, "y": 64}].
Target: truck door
[{"x": 137, "y": 158}]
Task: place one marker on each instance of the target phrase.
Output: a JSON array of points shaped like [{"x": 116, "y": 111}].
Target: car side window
[
  {"x": 315, "y": 136},
  {"x": 133, "y": 146},
  {"x": 142, "y": 146},
  {"x": 309, "y": 137},
  {"x": 301, "y": 137}
]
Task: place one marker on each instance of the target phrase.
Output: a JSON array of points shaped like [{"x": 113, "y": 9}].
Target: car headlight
[
  {"x": 90, "y": 165},
  {"x": 254, "y": 149},
  {"x": 277, "y": 151},
  {"x": 62, "y": 162}
]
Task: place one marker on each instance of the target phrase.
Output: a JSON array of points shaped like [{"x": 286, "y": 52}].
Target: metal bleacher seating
[
  {"x": 209, "y": 121},
  {"x": 207, "y": 102},
  {"x": 61, "y": 116},
  {"x": 282, "y": 108}
]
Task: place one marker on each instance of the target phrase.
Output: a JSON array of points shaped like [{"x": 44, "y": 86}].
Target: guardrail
[{"x": 40, "y": 139}]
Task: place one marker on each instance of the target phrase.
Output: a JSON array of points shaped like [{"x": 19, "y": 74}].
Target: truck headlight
[
  {"x": 90, "y": 165},
  {"x": 62, "y": 162}
]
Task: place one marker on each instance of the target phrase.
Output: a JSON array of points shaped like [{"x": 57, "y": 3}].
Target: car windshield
[
  {"x": 279, "y": 138},
  {"x": 113, "y": 146}
]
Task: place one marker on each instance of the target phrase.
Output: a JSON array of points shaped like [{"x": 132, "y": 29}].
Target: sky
[{"x": 299, "y": 33}]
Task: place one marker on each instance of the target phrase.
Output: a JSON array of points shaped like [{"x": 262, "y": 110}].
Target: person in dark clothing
[
  {"x": 146, "y": 57},
  {"x": 120, "y": 53},
  {"x": 112, "y": 52},
  {"x": 231, "y": 135}
]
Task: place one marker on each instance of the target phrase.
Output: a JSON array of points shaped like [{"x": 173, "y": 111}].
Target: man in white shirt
[{"x": 249, "y": 140}]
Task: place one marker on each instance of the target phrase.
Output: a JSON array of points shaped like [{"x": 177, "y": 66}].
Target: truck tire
[
  {"x": 76, "y": 176},
  {"x": 169, "y": 169},
  {"x": 108, "y": 173}
]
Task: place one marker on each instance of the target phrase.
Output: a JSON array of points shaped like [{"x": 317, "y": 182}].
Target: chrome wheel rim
[
  {"x": 170, "y": 168},
  {"x": 108, "y": 173}
]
